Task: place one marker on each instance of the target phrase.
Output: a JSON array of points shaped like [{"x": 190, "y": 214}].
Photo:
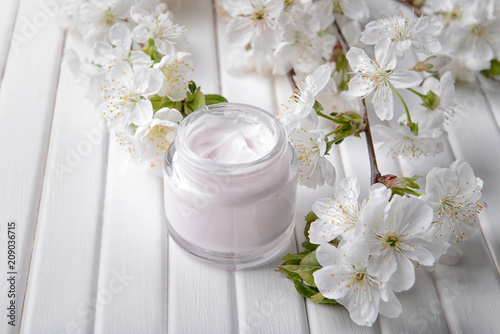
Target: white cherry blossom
[
  {"x": 396, "y": 237},
  {"x": 118, "y": 48},
  {"x": 471, "y": 35},
  {"x": 337, "y": 216},
  {"x": 177, "y": 70},
  {"x": 158, "y": 25},
  {"x": 454, "y": 193},
  {"x": 401, "y": 141},
  {"x": 254, "y": 23},
  {"x": 346, "y": 278},
  {"x": 301, "y": 103},
  {"x": 126, "y": 95},
  {"x": 242, "y": 60},
  {"x": 477, "y": 42},
  {"x": 379, "y": 76},
  {"x": 306, "y": 16},
  {"x": 353, "y": 9},
  {"x": 304, "y": 53},
  {"x": 154, "y": 139},
  {"x": 95, "y": 18},
  {"x": 405, "y": 30},
  {"x": 310, "y": 146},
  {"x": 444, "y": 108}
]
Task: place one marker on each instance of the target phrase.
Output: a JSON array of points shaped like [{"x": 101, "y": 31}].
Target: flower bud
[{"x": 432, "y": 64}]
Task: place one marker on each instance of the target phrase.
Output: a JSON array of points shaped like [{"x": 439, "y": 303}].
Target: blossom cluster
[
  {"x": 139, "y": 72},
  {"x": 471, "y": 34},
  {"x": 368, "y": 250},
  {"x": 360, "y": 253},
  {"x": 396, "y": 37},
  {"x": 281, "y": 34},
  {"x": 333, "y": 89}
]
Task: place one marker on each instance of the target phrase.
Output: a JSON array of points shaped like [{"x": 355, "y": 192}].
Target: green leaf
[
  {"x": 214, "y": 98},
  {"x": 305, "y": 290},
  {"x": 317, "y": 106},
  {"x": 410, "y": 182},
  {"x": 294, "y": 258},
  {"x": 320, "y": 299},
  {"x": 401, "y": 186},
  {"x": 494, "y": 68},
  {"x": 194, "y": 101},
  {"x": 310, "y": 260},
  {"x": 290, "y": 274},
  {"x": 308, "y": 245},
  {"x": 310, "y": 217},
  {"x": 177, "y": 105},
  {"x": 328, "y": 301},
  {"x": 305, "y": 272}
]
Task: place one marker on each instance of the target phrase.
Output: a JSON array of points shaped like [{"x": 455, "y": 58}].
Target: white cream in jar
[{"x": 230, "y": 185}]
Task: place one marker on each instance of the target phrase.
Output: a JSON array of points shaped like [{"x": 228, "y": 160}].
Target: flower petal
[
  {"x": 360, "y": 86},
  {"x": 384, "y": 54},
  {"x": 404, "y": 277},
  {"x": 142, "y": 113},
  {"x": 405, "y": 79},
  {"x": 383, "y": 102},
  {"x": 359, "y": 61}
]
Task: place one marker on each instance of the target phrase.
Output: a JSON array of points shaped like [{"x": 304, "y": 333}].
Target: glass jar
[{"x": 230, "y": 181}]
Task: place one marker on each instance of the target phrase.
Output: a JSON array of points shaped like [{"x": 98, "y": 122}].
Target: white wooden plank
[
  {"x": 134, "y": 246},
  {"x": 26, "y": 106},
  {"x": 267, "y": 301},
  {"x": 354, "y": 154},
  {"x": 201, "y": 297},
  {"x": 422, "y": 310},
  {"x": 198, "y": 16},
  {"x": 469, "y": 290},
  {"x": 416, "y": 299},
  {"x": 423, "y": 297},
  {"x": 250, "y": 88},
  {"x": 7, "y": 19},
  {"x": 321, "y": 318},
  {"x": 466, "y": 292},
  {"x": 68, "y": 228},
  {"x": 475, "y": 152},
  {"x": 489, "y": 88},
  {"x": 135, "y": 236}
]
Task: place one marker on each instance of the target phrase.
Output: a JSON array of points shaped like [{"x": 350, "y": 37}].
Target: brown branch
[
  {"x": 375, "y": 173},
  {"x": 340, "y": 36}
]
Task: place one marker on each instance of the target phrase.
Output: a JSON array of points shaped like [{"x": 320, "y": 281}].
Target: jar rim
[{"x": 230, "y": 109}]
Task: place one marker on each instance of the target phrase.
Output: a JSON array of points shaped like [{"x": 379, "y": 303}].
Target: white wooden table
[{"x": 92, "y": 251}]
